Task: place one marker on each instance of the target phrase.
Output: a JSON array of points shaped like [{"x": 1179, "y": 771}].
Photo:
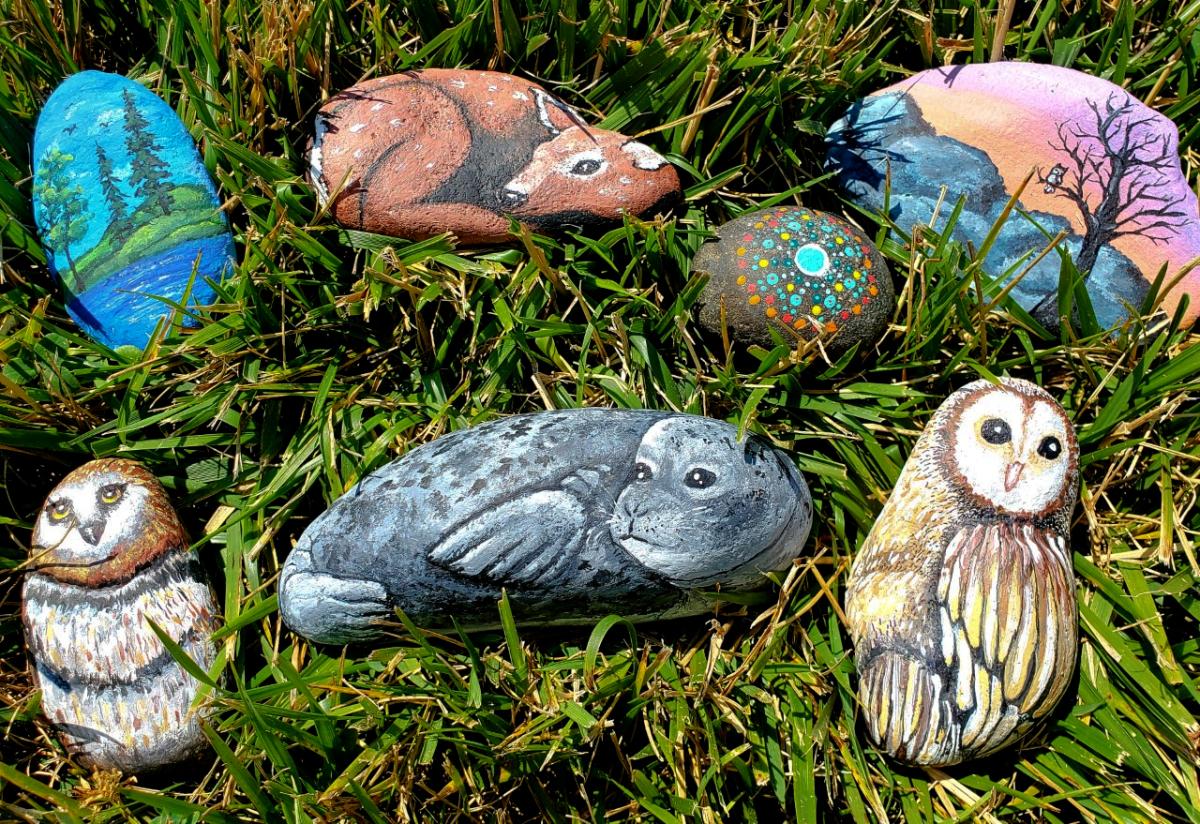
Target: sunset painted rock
[
  {"x": 577, "y": 514},
  {"x": 447, "y": 150},
  {"x": 109, "y": 557},
  {"x": 1106, "y": 173},
  {"x": 798, "y": 273},
  {"x": 128, "y": 214}
]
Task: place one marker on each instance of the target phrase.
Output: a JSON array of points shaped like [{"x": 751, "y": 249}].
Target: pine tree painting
[
  {"x": 148, "y": 173},
  {"x": 122, "y": 227}
]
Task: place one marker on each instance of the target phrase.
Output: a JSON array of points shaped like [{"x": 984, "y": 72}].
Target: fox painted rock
[{"x": 424, "y": 152}]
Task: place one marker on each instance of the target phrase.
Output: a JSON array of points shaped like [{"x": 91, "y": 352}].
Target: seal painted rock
[
  {"x": 799, "y": 272},
  {"x": 424, "y": 152},
  {"x": 109, "y": 557},
  {"x": 1106, "y": 175},
  {"x": 577, "y": 514},
  {"x": 127, "y": 212}
]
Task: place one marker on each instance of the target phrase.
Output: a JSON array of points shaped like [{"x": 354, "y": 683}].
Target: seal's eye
[
  {"x": 112, "y": 493},
  {"x": 1050, "y": 448},
  {"x": 699, "y": 478},
  {"x": 585, "y": 167},
  {"x": 59, "y": 510},
  {"x": 642, "y": 472},
  {"x": 995, "y": 431}
]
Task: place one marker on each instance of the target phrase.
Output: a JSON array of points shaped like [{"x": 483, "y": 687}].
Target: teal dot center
[{"x": 812, "y": 260}]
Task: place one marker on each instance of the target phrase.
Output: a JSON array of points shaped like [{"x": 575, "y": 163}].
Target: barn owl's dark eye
[
  {"x": 585, "y": 167},
  {"x": 995, "y": 431},
  {"x": 111, "y": 493},
  {"x": 58, "y": 510},
  {"x": 1050, "y": 448},
  {"x": 642, "y": 472},
  {"x": 699, "y": 478}
]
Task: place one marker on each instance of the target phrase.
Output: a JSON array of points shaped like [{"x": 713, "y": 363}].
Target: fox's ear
[
  {"x": 550, "y": 108},
  {"x": 643, "y": 156}
]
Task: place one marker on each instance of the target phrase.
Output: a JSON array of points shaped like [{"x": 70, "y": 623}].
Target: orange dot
[
  {"x": 867, "y": 263},
  {"x": 874, "y": 291},
  {"x": 741, "y": 251},
  {"x": 741, "y": 281},
  {"x": 771, "y": 312},
  {"x": 754, "y": 299},
  {"x": 799, "y": 324},
  {"x": 831, "y": 327},
  {"x": 857, "y": 309}
]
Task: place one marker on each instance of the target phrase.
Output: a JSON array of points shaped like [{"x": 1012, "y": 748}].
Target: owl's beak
[
  {"x": 1012, "y": 475},
  {"x": 92, "y": 532}
]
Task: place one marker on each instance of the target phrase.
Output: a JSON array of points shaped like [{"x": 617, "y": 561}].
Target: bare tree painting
[{"x": 1118, "y": 171}]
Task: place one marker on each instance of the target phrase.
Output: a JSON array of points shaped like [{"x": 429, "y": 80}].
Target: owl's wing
[
  {"x": 526, "y": 540},
  {"x": 1006, "y": 601}
]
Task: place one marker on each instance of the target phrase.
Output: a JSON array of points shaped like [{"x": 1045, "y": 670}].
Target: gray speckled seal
[
  {"x": 576, "y": 514},
  {"x": 799, "y": 273}
]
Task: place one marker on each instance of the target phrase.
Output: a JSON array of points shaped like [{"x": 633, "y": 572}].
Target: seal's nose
[{"x": 92, "y": 532}]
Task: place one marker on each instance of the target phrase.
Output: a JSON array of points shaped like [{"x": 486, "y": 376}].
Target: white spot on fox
[
  {"x": 458, "y": 84},
  {"x": 395, "y": 121},
  {"x": 358, "y": 127},
  {"x": 493, "y": 88},
  {"x": 643, "y": 156},
  {"x": 520, "y": 96},
  {"x": 624, "y": 180},
  {"x": 429, "y": 165},
  {"x": 377, "y": 107},
  {"x": 358, "y": 154}
]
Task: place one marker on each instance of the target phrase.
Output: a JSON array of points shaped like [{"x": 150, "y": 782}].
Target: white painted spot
[
  {"x": 358, "y": 127},
  {"x": 395, "y": 121},
  {"x": 624, "y": 180},
  {"x": 493, "y": 88},
  {"x": 428, "y": 165},
  {"x": 520, "y": 96},
  {"x": 643, "y": 156},
  {"x": 358, "y": 154},
  {"x": 377, "y": 107},
  {"x": 491, "y": 102},
  {"x": 458, "y": 84}
]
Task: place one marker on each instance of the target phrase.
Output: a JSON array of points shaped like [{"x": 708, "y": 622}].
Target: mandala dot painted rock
[
  {"x": 127, "y": 213},
  {"x": 1106, "y": 174},
  {"x": 439, "y": 150},
  {"x": 109, "y": 557},
  {"x": 576, "y": 514},
  {"x": 799, "y": 272}
]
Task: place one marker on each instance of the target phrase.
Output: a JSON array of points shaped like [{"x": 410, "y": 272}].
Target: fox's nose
[
  {"x": 514, "y": 198},
  {"x": 92, "y": 532}
]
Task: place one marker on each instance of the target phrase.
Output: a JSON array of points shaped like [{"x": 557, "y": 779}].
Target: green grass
[{"x": 331, "y": 353}]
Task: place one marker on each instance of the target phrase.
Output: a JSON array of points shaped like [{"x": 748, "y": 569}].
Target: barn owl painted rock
[
  {"x": 961, "y": 602},
  {"x": 109, "y": 557}
]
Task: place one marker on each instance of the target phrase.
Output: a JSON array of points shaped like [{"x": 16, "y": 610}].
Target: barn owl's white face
[{"x": 90, "y": 518}]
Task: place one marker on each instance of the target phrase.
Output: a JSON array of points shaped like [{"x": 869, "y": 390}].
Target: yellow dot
[
  {"x": 791, "y": 287},
  {"x": 763, "y": 262},
  {"x": 857, "y": 275},
  {"x": 806, "y": 216},
  {"x": 741, "y": 250},
  {"x": 758, "y": 225},
  {"x": 785, "y": 236},
  {"x": 838, "y": 241},
  {"x": 837, "y": 287},
  {"x": 754, "y": 299},
  {"x": 741, "y": 280},
  {"x": 771, "y": 312},
  {"x": 816, "y": 310}
]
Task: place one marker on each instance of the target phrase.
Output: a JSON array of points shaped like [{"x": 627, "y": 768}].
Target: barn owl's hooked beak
[{"x": 1012, "y": 474}]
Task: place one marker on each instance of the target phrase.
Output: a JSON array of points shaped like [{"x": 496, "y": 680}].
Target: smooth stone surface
[
  {"x": 578, "y": 514},
  {"x": 800, "y": 272},
  {"x": 109, "y": 556},
  {"x": 125, "y": 207},
  {"x": 446, "y": 150},
  {"x": 1106, "y": 171},
  {"x": 961, "y": 600}
]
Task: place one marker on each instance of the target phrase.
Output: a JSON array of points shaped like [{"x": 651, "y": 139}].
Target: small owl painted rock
[
  {"x": 961, "y": 602},
  {"x": 109, "y": 556},
  {"x": 796, "y": 271}
]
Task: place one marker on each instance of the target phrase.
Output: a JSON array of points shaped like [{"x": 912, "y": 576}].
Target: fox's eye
[{"x": 587, "y": 166}]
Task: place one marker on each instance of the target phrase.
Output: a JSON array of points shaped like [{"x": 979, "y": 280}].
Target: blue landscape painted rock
[
  {"x": 1106, "y": 173},
  {"x": 577, "y": 514},
  {"x": 126, "y": 209},
  {"x": 797, "y": 272}
]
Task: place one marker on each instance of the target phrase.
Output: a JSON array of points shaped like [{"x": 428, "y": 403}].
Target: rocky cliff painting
[{"x": 1106, "y": 176}]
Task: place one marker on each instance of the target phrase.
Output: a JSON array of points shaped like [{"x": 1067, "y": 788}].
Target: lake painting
[{"x": 127, "y": 212}]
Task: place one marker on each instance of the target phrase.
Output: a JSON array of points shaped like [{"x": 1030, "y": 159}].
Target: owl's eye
[
  {"x": 112, "y": 493},
  {"x": 699, "y": 478},
  {"x": 995, "y": 431},
  {"x": 1050, "y": 448},
  {"x": 59, "y": 510},
  {"x": 642, "y": 472}
]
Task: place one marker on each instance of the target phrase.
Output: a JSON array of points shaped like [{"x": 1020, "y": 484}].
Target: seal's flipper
[
  {"x": 526, "y": 540},
  {"x": 329, "y": 609}
]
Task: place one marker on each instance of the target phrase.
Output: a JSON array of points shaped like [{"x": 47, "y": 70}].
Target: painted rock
[
  {"x": 961, "y": 601},
  {"x": 425, "y": 152},
  {"x": 125, "y": 208},
  {"x": 801, "y": 273},
  {"x": 109, "y": 557},
  {"x": 1106, "y": 174},
  {"x": 577, "y": 514}
]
